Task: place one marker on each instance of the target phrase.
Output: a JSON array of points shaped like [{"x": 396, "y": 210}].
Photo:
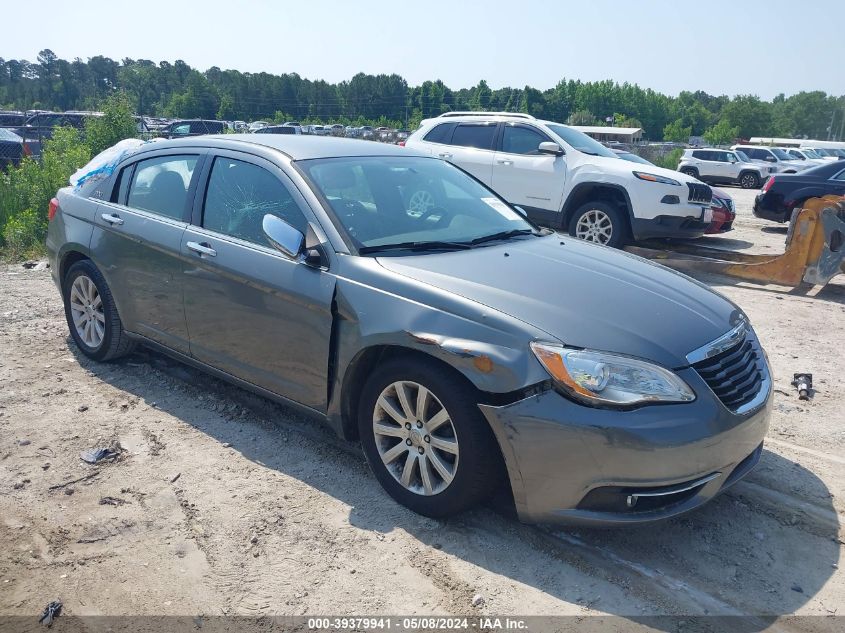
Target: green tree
[
  {"x": 749, "y": 114},
  {"x": 581, "y": 117},
  {"x": 116, "y": 124},
  {"x": 675, "y": 132},
  {"x": 25, "y": 191},
  {"x": 721, "y": 134}
]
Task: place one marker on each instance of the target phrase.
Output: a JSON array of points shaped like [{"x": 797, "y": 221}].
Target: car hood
[
  {"x": 604, "y": 164},
  {"x": 582, "y": 294}
]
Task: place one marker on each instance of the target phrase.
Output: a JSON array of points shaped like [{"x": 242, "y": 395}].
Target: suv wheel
[
  {"x": 690, "y": 171},
  {"x": 425, "y": 439},
  {"x": 749, "y": 180},
  {"x": 91, "y": 315},
  {"x": 601, "y": 223}
]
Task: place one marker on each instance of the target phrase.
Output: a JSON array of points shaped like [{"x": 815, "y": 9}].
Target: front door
[
  {"x": 524, "y": 176},
  {"x": 251, "y": 311}
]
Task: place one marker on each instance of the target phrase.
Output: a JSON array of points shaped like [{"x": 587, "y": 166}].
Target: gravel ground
[{"x": 224, "y": 503}]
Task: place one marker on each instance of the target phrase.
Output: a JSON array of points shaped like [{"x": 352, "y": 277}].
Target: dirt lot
[{"x": 223, "y": 503}]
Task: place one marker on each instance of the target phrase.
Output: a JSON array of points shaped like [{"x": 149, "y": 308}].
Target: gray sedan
[{"x": 464, "y": 347}]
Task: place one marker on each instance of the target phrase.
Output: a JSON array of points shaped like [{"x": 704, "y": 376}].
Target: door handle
[
  {"x": 445, "y": 155},
  {"x": 505, "y": 162},
  {"x": 201, "y": 249},
  {"x": 112, "y": 218}
]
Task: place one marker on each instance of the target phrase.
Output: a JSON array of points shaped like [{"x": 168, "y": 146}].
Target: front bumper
[
  {"x": 670, "y": 226},
  {"x": 573, "y": 464}
]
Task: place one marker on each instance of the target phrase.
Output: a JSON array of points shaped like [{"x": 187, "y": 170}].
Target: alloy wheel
[
  {"x": 594, "y": 226},
  {"x": 421, "y": 201},
  {"x": 415, "y": 438},
  {"x": 749, "y": 181},
  {"x": 86, "y": 308}
]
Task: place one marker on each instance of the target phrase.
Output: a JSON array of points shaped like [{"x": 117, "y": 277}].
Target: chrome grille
[
  {"x": 699, "y": 193},
  {"x": 737, "y": 374}
]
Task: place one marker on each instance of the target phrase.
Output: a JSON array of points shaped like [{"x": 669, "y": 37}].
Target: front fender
[{"x": 489, "y": 349}]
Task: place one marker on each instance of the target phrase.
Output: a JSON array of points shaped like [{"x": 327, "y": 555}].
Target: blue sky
[{"x": 722, "y": 47}]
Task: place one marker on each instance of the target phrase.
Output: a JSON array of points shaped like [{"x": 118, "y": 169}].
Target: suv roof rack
[{"x": 515, "y": 115}]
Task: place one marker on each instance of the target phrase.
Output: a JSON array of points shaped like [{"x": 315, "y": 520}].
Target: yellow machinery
[{"x": 815, "y": 250}]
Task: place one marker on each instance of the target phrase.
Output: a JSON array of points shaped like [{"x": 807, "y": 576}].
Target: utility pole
[
  {"x": 842, "y": 124},
  {"x": 830, "y": 128}
]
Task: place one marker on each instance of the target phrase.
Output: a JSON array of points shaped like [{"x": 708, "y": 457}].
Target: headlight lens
[
  {"x": 604, "y": 379},
  {"x": 653, "y": 178}
]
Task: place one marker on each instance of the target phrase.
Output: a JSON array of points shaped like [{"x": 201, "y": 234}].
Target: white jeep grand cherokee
[{"x": 564, "y": 179}]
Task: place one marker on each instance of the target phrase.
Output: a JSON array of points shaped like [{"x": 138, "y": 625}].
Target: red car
[{"x": 724, "y": 212}]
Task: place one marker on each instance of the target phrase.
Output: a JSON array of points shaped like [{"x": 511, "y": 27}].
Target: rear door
[
  {"x": 471, "y": 149},
  {"x": 524, "y": 176},
  {"x": 251, "y": 311},
  {"x": 137, "y": 240}
]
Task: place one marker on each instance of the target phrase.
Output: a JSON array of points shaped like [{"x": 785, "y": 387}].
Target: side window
[
  {"x": 699, "y": 154},
  {"x": 440, "y": 133},
  {"x": 480, "y": 136},
  {"x": 238, "y": 197},
  {"x": 182, "y": 129},
  {"x": 840, "y": 176},
  {"x": 119, "y": 192},
  {"x": 161, "y": 185},
  {"x": 521, "y": 140}
]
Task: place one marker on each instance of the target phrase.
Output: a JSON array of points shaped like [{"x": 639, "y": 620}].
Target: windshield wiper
[
  {"x": 416, "y": 246},
  {"x": 503, "y": 235}
]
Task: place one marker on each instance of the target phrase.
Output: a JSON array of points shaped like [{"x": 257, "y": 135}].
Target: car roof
[{"x": 294, "y": 146}]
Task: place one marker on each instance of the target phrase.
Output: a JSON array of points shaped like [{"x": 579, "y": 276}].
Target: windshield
[
  {"x": 822, "y": 152},
  {"x": 777, "y": 151},
  {"x": 384, "y": 201},
  {"x": 742, "y": 156},
  {"x": 837, "y": 152},
  {"x": 580, "y": 141},
  {"x": 811, "y": 153}
]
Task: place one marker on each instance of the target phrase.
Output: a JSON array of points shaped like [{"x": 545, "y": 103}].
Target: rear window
[
  {"x": 161, "y": 185},
  {"x": 440, "y": 133},
  {"x": 478, "y": 136}
]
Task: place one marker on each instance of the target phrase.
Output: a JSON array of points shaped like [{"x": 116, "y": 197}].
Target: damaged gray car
[{"x": 400, "y": 300}]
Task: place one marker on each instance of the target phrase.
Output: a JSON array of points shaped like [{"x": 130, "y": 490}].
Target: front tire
[
  {"x": 749, "y": 181},
  {"x": 425, "y": 439},
  {"x": 600, "y": 223},
  {"x": 92, "y": 317},
  {"x": 689, "y": 171}
]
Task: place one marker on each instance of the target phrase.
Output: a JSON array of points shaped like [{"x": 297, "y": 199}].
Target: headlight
[
  {"x": 600, "y": 378},
  {"x": 652, "y": 178}
]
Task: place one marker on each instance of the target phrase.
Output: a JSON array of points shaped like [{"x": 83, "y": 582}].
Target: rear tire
[
  {"x": 600, "y": 223},
  {"x": 689, "y": 171},
  {"x": 749, "y": 180},
  {"x": 92, "y": 317},
  {"x": 460, "y": 455}
]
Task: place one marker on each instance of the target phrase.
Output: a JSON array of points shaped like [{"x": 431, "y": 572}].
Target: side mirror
[
  {"x": 283, "y": 237},
  {"x": 547, "y": 147}
]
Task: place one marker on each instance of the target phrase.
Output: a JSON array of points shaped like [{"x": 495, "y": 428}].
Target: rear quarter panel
[{"x": 70, "y": 230}]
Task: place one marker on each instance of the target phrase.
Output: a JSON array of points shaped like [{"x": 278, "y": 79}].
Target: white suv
[
  {"x": 779, "y": 160},
  {"x": 722, "y": 166},
  {"x": 564, "y": 179}
]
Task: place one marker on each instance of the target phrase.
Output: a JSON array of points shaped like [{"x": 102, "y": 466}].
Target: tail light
[
  {"x": 769, "y": 184},
  {"x": 51, "y": 210},
  {"x": 401, "y": 143}
]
